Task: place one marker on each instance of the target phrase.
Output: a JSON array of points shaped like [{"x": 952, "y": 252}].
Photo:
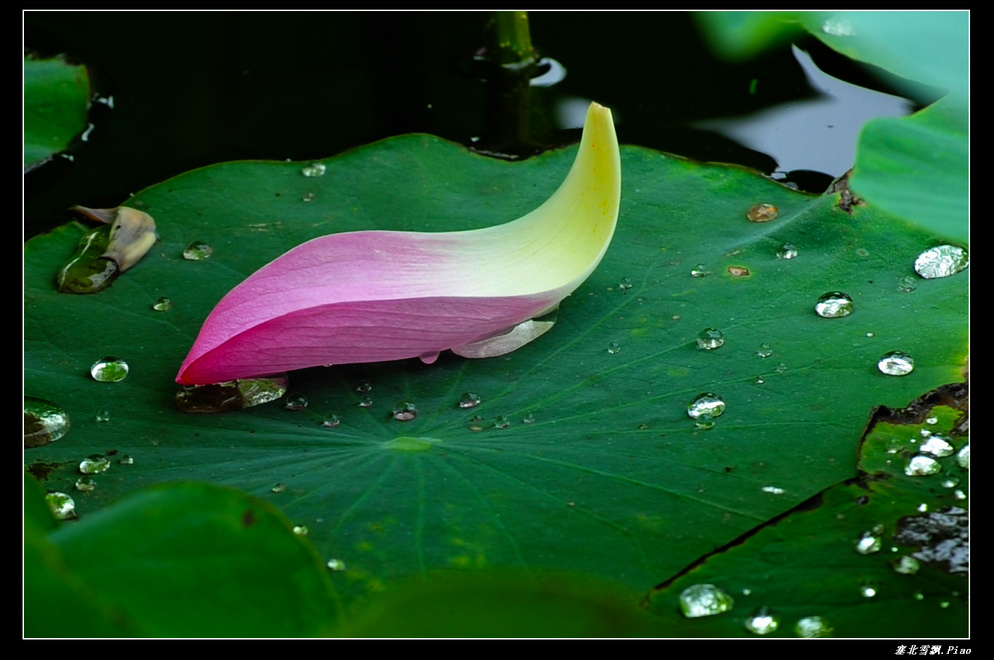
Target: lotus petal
[{"x": 370, "y": 296}]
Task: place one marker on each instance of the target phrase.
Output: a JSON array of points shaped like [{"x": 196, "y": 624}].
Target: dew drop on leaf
[
  {"x": 709, "y": 339},
  {"x": 44, "y": 422},
  {"x": 162, "y": 305},
  {"x": 469, "y": 400},
  {"x": 62, "y": 506},
  {"x": 787, "y": 251},
  {"x": 762, "y": 213},
  {"x": 834, "y": 305},
  {"x": 896, "y": 363},
  {"x": 813, "y": 626},
  {"x": 922, "y": 466},
  {"x": 314, "y": 169},
  {"x": 94, "y": 464},
  {"x": 941, "y": 261},
  {"x": 197, "y": 251},
  {"x": 704, "y": 600},
  {"x": 762, "y": 622},
  {"x": 405, "y": 411},
  {"x": 296, "y": 401},
  {"x": 706, "y": 404},
  {"x": 109, "y": 370}
]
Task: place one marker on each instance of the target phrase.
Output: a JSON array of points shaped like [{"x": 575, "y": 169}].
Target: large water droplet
[
  {"x": 469, "y": 400},
  {"x": 813, "y": 626},
  {"x": 706, "y": 404},
  {"x": 94, "y": 464},
  {"x": 896, "y": 363},
  {"x": 922, "y": 466},
  {"x": 197, "y": 251},
  {"x": 314, "y": 169},
  {"x": 231, "y": 395},
  {"x": 938, "y": 445},
  {"x": 63, "y": 506},
  {"x": 109, "y": 370},
  {"x": 834, "y": 305},
  {"x": 704, "y": 600},
  {"x": 709, "y": 339},
  {"x": 762, "y": 622},
  {"x": 762, "y": 213},
  {"x": 941, "y": 261},
  {"x": 331, "y": 421},
  {"x": 405, "y": 411},
  {"x": 44, "y": 422}
]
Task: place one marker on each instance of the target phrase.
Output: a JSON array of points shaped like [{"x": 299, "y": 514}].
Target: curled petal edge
[{"x": 371, "y": 296}]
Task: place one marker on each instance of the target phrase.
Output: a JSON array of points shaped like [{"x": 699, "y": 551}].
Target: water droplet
[
  {"x": 162, "y": 304},
  {"x": 781, "y": 368},
  {"x": 363, "y": 387},
  {"x": 404, "y": 411},
  {"x": 868, "y": 544},
  {"x": 762, "y": 213},
  {"x": 278, "y": 488},
  {"x": 813, "y": 626},
  {"x": 301, "y": 530},
  {"x": 502, "y": 422},
  {"x": 94, "y": 464},
  {"x": 706, "y": 405},
  {"x": 762, "y": 622},
  {"x": 896, "y": 363},
  {"x": 528, "y": 419},
  {"x": 941, "y": 261},
  {"x": 336, "y": 565},
  {"x": 44, "y": 422},
  {"x": 760, "y": 380},
  {"x": 331, "y": 421},
  {"x": 102, "y": 416},
  {"x": 709, "y": 339},
  {"x": 296, "y": 401},
  {"x": 923, "y": 507},
  {"x": 907, "y": 284},
  {"x": 773, "y": 489},
  {"x": 231, "y": 395},
  {"x": 922, "y": 466},
  {"x": 950, "y": 483},
  {"x": 197, "y": 251},
  {"x": 366, "y": 402},
  {"x": 63, "y": 506},
  {"x": 308, "y": 197},
  {"x": 700, "y": 270},
  {"x": 834, "y": 305},
  {"x": 613, "y": 348},
  {"x": 867, "y": 590},
  {"x": 109, "y": 370},
  {"x": 625, "y": 283},
  {"x": 126, "y": 460},
  {"x": 85, "y": 484},
  {"x": 764, "y": 351},
  {"x": 314, "y": 169},
  {"x": 905, "y": 565},
  {"x": 704, "y": 600},
  {"x": 963, "y": 457},
  {"x": 938, "y": 445},
  {"x": 469, "y": 400},
  {"x": 787, "y": 251}
]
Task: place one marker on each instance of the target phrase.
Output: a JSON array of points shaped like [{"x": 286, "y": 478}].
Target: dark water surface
[{"x": 190, "y": 89}]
